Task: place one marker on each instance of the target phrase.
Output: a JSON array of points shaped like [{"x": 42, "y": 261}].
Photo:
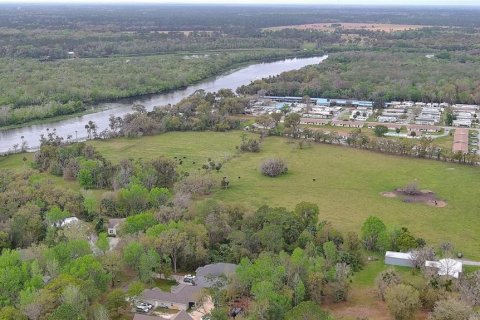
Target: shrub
[
  {"x": 250, "y": 145},
  {"x": 387, "y": 279},
  {"x": 451, "y": 309},
  {"x": 196, "y": 185},
  {"x": 402, "y": 301},
  {"x": 273, "y": 167}
]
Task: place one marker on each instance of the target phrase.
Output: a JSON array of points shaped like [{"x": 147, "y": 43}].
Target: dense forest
[{"x": 380, "y": 76}]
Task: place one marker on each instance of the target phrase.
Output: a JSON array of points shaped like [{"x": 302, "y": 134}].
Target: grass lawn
[
  {"x": 348, "y": 186},
  {"x": 164, "y": 284}
]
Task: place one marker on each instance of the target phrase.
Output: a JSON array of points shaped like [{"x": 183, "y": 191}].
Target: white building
[
  {"x": 398, "y": 259},
  {"x": 446, "y": 267}
]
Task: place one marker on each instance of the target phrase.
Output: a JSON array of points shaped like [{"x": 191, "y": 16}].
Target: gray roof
[
  {"x": 182, "y": 315},
  {"x": 139, "y": 316},
  {"x": 208, "y": 275},
  {"x": 182, "y": 293}
]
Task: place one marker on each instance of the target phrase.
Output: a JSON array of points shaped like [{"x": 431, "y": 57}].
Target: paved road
[{"x": 470, "y": 262}]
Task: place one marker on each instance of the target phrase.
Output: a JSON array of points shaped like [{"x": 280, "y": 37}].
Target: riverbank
[
  {"x": 74, "y": 126},
  {"x": 200, "y": 66}
]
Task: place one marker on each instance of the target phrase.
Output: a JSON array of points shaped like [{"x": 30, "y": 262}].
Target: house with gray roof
[{"x": 181, "y": 297}]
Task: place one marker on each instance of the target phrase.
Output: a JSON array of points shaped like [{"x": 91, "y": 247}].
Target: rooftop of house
[{"x": 182, "y": 293}]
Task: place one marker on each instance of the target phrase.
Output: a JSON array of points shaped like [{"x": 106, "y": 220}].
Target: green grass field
[{"x": 347, "y": 187}]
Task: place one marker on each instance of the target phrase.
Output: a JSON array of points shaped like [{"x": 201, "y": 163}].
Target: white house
[{"x": 446, "y": 267}]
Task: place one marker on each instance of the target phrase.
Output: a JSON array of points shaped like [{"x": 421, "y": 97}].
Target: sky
[{"x": 278, "y": 2}]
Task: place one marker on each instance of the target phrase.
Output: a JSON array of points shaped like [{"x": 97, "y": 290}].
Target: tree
[
  {"x": 131, "y": 254},
  {"x": 451, "y": 309},
  {"x": 293, "y": 121},
  {"x": 373, "y": 233},
  {"x": 385, "y": 280},
  {"x": 380, "y": 131},
  {"x": 308, "y": 310},
  {"x": 10, "y": 313},
  {"x": 149, "y": 263},
  {"x": 172, "y": 242},
  {"x": 138, "y": 223},
  {"x": 26, "y": 226},
  {"x": 420, "y": 255},
  {"x": 308, "y": 213},
  {"x": 273, "y": 167},
  {"x": 116, "y": 302},
  {"x": 102, "y": 242},
  {"x": 276, "y": 116},
  {"x": 72, "y": 296},
  {"x": 66, "y": 311},
  {"x": 470, "y": 288},
  {"x": 135, "y": 289},
  {"x": 402, "y": 301}
]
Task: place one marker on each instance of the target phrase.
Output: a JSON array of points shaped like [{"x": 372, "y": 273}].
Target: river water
[{"x": 75, "y": 127}]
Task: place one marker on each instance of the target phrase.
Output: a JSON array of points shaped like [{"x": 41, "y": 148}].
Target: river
[{"x": 75, "y": 127}]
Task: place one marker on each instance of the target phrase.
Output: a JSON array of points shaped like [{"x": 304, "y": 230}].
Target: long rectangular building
[{"x": 460, "y": 141}]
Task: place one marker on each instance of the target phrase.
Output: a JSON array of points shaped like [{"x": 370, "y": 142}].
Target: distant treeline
[{"x": 380, "y": 76}]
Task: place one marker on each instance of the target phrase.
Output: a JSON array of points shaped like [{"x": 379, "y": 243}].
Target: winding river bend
[{"x": 76, "y": 126}]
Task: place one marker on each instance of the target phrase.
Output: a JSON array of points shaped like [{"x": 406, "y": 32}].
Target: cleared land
[{"x": 329, "y": 27}]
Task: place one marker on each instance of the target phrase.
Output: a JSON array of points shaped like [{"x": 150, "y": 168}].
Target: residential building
[{"x": 398, "y": 259}]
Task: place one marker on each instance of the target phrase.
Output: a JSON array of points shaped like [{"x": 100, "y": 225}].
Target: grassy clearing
[
  {"x": 165, "y": 284},
  {"x": 348, "y": 186}
]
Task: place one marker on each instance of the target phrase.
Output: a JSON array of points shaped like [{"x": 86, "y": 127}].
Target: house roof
[
  {"x": 460, "y": 140},
  {"x": 398, "y": 255},
  {"x": 182, "y": 294},
  {"x": 182, "y": 315},
  {"x": 139, "y": 316},
  {"x": 446, "y": 267}
]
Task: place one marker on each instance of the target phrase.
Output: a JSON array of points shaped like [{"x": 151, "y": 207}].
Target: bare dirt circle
[{"x": 424, "y": 196}]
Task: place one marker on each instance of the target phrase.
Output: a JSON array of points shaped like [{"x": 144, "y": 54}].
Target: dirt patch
[
  {"x": 423, "y": 196},
  {"x": 363, "y": 303},
  {"x": 351, "y": 25}
]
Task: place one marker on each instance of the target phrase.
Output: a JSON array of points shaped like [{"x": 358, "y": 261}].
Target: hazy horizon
[{"x": 261, "y": 2}]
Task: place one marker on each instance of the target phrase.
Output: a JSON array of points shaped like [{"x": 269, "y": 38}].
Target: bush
[
  {"x": 196, "y": 185},
  {"x": 273, "y": 167},
  {"x": 402, "y": 301},
  {"x": 387, "y": 279},
  {"x": 451, "y": 309},
  {"x": 250, "y": 145}
]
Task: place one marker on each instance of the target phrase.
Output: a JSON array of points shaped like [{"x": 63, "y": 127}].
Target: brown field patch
[
  {"x": 425, "y": 196},
  {"x": 329, "y": 26}
]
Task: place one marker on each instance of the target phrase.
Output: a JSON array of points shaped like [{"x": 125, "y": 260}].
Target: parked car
[
  {"x": 143, "y": 307},
  {"x": 189, "y": 279}
]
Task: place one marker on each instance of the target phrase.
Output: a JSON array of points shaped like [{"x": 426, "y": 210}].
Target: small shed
[{"x": 398, "y": 259}]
